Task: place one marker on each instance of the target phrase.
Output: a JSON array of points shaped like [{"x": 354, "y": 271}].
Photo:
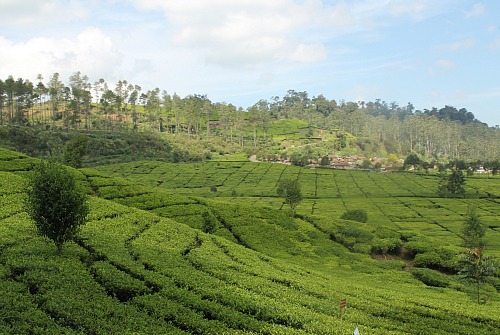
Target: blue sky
[{"x": 428, "y": 52}]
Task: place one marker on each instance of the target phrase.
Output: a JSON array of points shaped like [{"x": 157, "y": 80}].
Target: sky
[{"x": 431, "y": 53}]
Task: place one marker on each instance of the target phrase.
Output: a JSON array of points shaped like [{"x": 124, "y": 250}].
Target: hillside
[
  {"x": 141, "y": 266},
  {"x": 295, "y": 124},
  {"x": 404, "y": 202}
]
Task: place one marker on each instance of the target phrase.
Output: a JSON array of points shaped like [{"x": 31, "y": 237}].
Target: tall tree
[
  {"x": 207, "y": 109},
  {"x": 153, "y": 107},
  {"x": 41, "y": 92},
  {"x": 107, "y": 100},
  {"x": 2, "y": 100},
  {"x": 22, "y": 100},
  {"x": 56, "y": 91},
  {"x": 80, "y": 100},
  {"x": 9, "y": 87},
  {"x": 132, "y": 100},
  {"x": 178, "y": 111},
  {"x": 253, "y": 118}
]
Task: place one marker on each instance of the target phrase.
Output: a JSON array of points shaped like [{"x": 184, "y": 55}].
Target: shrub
[
  {"x": 209, "y": 222},
  {"x": 74, "y": 151},
  {"x": 55, "y": 203},
  {"x": 386, "y": 245},
  {"x": 428, "y": 259},
  {"x": 418, "y": 247},
  {"x": 431, "y": 277},
  {"x": 355, "y": 215}
]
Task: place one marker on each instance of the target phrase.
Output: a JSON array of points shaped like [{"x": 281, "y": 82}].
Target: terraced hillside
[
  {"x": 139, "y": 267},
  {"x": 400, "y": 201}
]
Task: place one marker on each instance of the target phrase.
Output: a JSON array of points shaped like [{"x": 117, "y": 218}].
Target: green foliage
[
  {"x": 473, "y": 230},
  {"x": 132, "y": 271},
  {"x": 429, "y": 253},
  {"x": 412, "y": 160},
  {"x": 55, "y": 202},
  {"x": 452, "y": 184},
  {"x": 290, "y": 191},
  {"x": 476, "y": 268},
  {"x": 473, "y": 265},
  {"x": 432, "y": 277},
  {"x": 358, "y": 215},
  {"x": 209, "y": 222},
  {"x": 392, "y": 159},
  {"x": 74, "y": 151}
]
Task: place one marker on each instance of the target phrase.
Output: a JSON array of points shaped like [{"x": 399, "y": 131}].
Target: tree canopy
[{"x": 378, "y": 126}]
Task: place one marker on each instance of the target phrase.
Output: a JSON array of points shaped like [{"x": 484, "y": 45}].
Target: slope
[{"x": 132, "y": 271}]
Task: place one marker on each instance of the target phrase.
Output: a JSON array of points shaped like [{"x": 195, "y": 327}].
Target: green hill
[{"x": 142, "y": 264}]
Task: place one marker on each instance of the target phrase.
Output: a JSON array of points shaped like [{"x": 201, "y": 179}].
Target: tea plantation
[{"x": 144, "y": 265}]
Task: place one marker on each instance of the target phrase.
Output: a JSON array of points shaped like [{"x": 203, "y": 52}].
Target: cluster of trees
[
  {"x": 80, "y": 104},
  {"x": 413, "y": 161},
  {"x": 378, "y": 126}
]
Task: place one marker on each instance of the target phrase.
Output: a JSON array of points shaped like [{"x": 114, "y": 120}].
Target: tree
[
  {"x": 392, "y": 159},
  {"x": 412, "y": 160},
  {"x": 56, "y": 89},
  {"x": 452, "y": 184},
  {"x": 80, "y": 99},
  {"x": 74, "y": 151},
  {"x": 473, "y": 230},
  {"x": 289, "y": 189},
  {"x": 55, "y": 202},
  {"x": 474, "y": 266}
]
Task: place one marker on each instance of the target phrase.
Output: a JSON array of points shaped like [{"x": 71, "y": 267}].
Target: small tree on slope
[
  {"x": 474, "y": 266},
  {"x": 55, "y": 203},
  {"x": 452, "y": 184},
  {"x": 289, "y": 190}
]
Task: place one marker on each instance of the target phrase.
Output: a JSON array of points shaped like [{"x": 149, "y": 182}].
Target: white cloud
[
  {"x": 495, "y": 45},
  {"x": 493, "y": 28},
  {"x": 24, "y": 13},
  {"x": 309, "y": 53},
  {"x": 251, "y": 33},
  {"x": 255, "y": 32},
  {"x": 415, "y": 8},
  {"x": 445, "y": 64},
  {"x": 91, "y": 52},
  {"x": 458, "y": 45},
  {"x": 477, "y": 10}
]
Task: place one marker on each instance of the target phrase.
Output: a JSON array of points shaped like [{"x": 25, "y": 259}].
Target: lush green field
[
  {"x": 141, "y": 266},
  {"x": 400, "y": 201}
]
